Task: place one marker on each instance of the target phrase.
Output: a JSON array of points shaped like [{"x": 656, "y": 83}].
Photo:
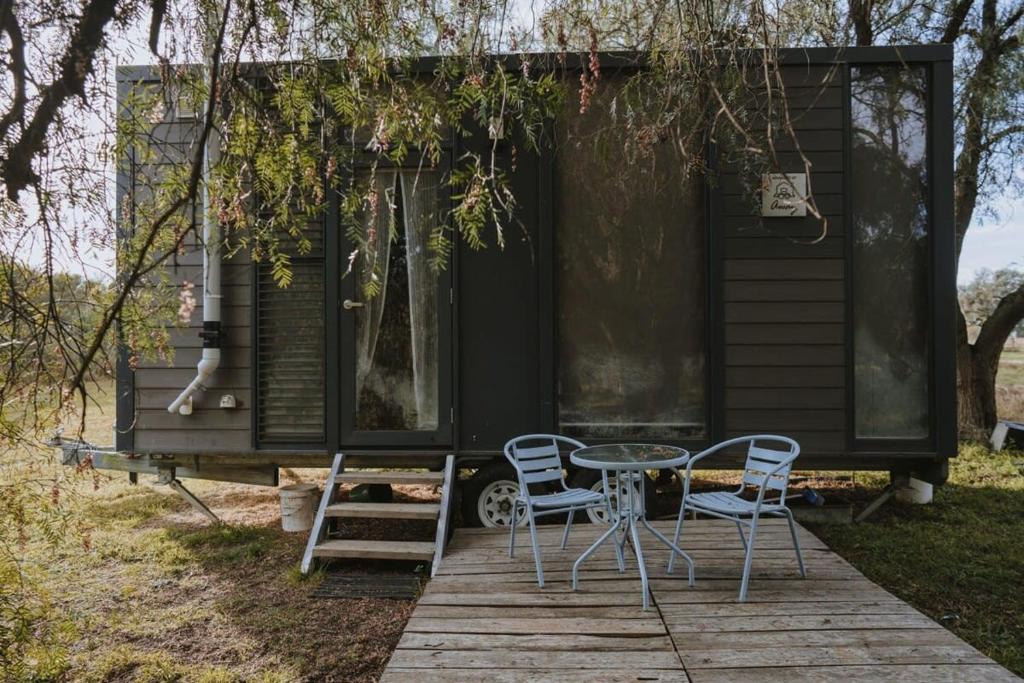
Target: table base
[{"x": 632, "y": 515}]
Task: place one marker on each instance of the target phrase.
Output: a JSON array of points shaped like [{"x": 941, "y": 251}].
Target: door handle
[{"x": 348, "y": 304}]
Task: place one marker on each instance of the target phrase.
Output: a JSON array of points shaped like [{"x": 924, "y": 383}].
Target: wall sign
[{"x": 783, "y": 194}]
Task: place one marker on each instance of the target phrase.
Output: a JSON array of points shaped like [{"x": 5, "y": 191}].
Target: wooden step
[
  {"x": 357, "y": 477},
  {"x": 385, "y": 510},
  {"x": 375, "y": 550}
]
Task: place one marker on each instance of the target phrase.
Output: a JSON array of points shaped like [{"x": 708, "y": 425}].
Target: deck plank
[
  {"x": 415, "y": 675},
  {"x": 747, "y": 640},
  {"x": 788, "y": 656},
  {"x": 484, "y": 617},
  {"x": 552, "y": 625},
  {"x": 891, "y": 673},
  {"x": 533, "y": 642},
  {"x": 503, "y": 660}
]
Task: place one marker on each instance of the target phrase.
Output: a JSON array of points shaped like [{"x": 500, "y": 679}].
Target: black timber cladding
[
  {"x": 778, "y": 306},
  {"x": 783, "y": 291},
  {"x": 500, "y": 330}
]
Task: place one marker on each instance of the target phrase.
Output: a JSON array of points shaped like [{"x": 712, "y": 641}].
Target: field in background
[{"x": 1010, "y": 384}]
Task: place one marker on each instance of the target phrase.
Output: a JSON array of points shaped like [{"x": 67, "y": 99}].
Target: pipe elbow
[{"x": 207, "y": 365}]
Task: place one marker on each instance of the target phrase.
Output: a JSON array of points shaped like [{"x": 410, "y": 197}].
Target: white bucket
[{"x": 298, "y": 502}]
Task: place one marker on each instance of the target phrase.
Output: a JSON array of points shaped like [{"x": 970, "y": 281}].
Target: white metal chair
[
  {"x": 766, "y": 469},
  {"x": 540, "y": 465}
]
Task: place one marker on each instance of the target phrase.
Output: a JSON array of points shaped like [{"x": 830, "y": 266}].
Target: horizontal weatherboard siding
[
  {"x": 156, "y": 382},
  {"x": 783, "y": 291}
]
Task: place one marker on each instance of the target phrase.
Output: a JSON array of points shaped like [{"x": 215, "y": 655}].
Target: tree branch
[
  {"x": 138, "y": 266},
  {"x": 155, "y": 22},
  {"x": 997, "y": 137},
  {"x": 1012, "y": 19},
  {"x": 997, "y": 328},
  {"x": 75, "y": 67},
  {"x": 9, "y": 24},
  {"x": 978, "y": 90},
  {"x": 957, "y": 17}
]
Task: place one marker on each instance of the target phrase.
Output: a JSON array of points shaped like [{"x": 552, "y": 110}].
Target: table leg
[
  {"x": 672, "y": 546},
  {"x": 635, "y": 513},
  {"x": 613, "y": 514},
  {"x": 631, "y": 510},
  {"x": 660, "y": 536},
  {"x": 620, "y": 502},
  {"x": 590, "y": 551}
]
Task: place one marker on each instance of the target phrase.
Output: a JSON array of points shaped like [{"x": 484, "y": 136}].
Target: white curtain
[
  {"x": 420, "y": 213},
  {"x": 378, "y": 224}
]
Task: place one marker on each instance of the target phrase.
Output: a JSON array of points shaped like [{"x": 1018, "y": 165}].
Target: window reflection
[
  {"x": 889, "y": 188},
  {"x": 630, "y": 248}
]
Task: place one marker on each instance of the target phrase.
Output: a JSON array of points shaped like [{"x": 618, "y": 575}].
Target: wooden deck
[{"x": 483, "y": 618}]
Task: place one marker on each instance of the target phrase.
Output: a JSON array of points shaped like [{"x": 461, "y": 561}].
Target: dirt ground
[{"x": 163, "y": 595}]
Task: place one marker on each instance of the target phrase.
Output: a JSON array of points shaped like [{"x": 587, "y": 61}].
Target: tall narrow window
[
  {"x": 397, "y": 331},
  {"x": 889, "y": 190},
  {"x": 630, "y": 252},
  {"x": 290, "y": 346}
]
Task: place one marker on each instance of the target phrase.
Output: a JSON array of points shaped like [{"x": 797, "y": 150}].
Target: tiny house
[{"x": 650, "y": 305}]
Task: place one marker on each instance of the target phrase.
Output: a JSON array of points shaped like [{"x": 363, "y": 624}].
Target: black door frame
[{"x": 340, "y": 367}]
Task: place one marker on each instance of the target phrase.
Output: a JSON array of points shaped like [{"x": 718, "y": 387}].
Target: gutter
[{"x": 211, "y": 334}]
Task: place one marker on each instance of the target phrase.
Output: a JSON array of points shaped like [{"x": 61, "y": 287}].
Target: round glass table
[{"x": 627, "y": 462}]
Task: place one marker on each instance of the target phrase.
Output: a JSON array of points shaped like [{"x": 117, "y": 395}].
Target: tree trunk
[
  {"x": 978, "y": 363},
  {"x": 976, "y": 394},
  {"x": 860, "y": 13}
]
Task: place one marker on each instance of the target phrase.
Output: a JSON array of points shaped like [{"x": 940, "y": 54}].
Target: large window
[
  {"x": 891, "y": 303},
  {"x": 630, "y": 230}
]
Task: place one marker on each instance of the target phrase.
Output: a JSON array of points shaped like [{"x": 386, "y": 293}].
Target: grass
[
  {"x": 1011, "y": 371},
  {"x": 1010, "y": 384},
  {"x": 142, "y": 588},
  {"x": 959, "y": 560}
]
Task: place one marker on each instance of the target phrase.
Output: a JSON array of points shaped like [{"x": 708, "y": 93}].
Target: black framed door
[{"x": 396, "y": 314}]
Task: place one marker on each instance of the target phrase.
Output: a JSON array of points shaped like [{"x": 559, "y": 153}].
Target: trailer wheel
[
  {"x": 488, "y": 497},
  {"x": 591, "y": 479}
]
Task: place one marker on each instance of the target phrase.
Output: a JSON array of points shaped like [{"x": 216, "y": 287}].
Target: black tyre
[{"x": 488, "y": 496}]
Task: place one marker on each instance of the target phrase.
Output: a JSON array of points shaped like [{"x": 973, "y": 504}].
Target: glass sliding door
[
  {"x": 890, "y": 253},
  {"x": 395, "y": 318},
  {"x": 629, "y": 232}
]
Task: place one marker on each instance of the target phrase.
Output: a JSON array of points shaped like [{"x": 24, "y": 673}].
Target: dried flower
[{"x": 187, "y": 302}]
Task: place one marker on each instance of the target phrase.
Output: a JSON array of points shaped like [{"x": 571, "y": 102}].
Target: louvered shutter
[{"x": 290, "y": 349}]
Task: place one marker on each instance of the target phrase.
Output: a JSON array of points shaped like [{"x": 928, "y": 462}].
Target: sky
[{"x": 994, "y": 243}]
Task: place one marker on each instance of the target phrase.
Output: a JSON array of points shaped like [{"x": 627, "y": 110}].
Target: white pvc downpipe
[{"x": 211, "y": 334}]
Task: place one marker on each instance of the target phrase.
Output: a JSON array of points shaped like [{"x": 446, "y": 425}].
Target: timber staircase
[{"x": 321, "y": 546}]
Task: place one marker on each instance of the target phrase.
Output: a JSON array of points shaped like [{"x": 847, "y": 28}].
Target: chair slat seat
[
  {"x": 563, "y": 498},
  {"x": 727, "y": 503}
]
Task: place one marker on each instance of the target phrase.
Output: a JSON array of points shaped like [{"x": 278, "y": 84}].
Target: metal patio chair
[
  {"x": 767, "y": 469},
  {"x": 539, "y": 465}
]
